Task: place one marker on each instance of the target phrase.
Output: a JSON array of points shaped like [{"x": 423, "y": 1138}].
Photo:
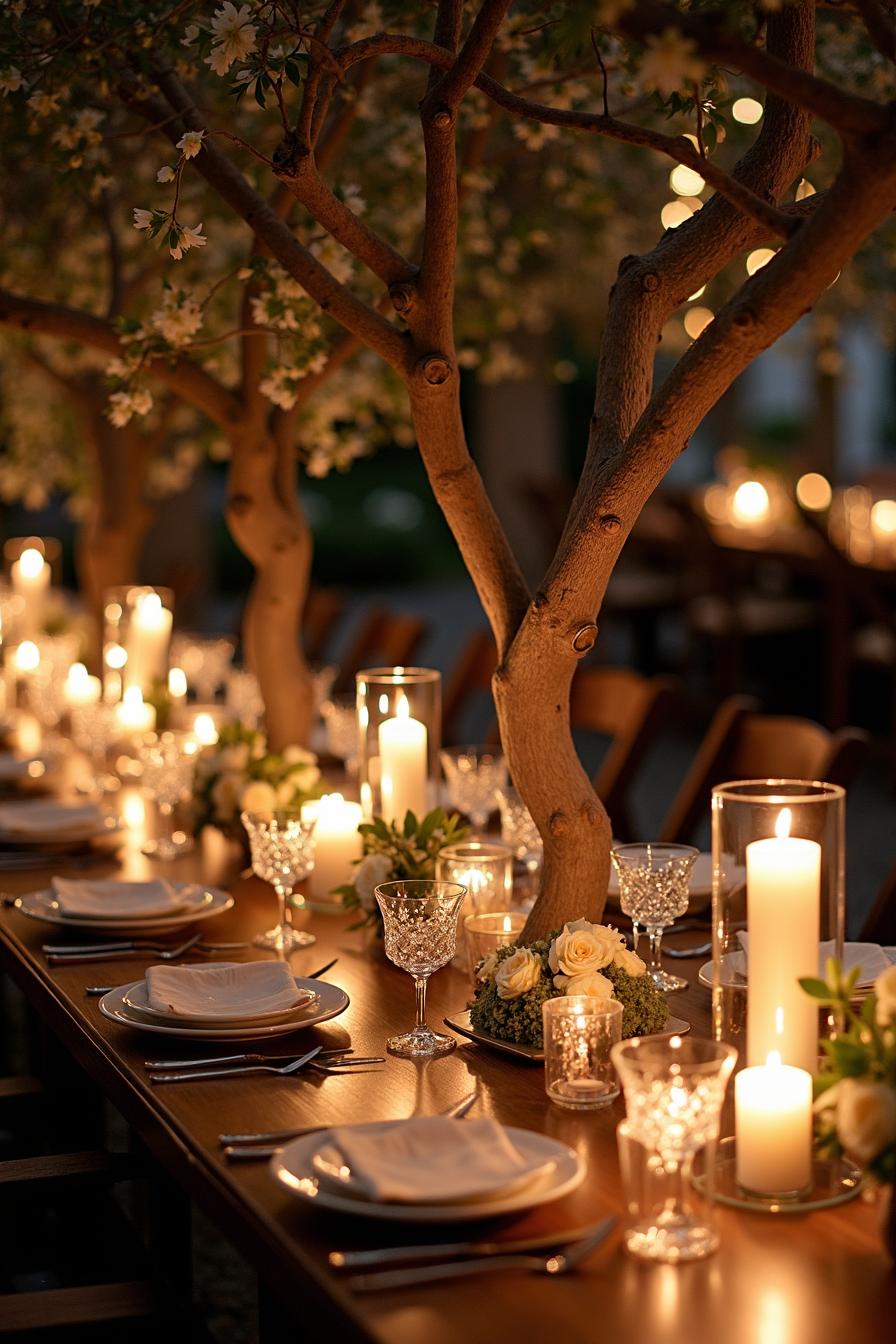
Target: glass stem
[
  {"x": 655, "y": 938},
  {"x": 282, "y": 893},
  {"x": 166, "y": 812},
  {"x": 420, "y": 987}
]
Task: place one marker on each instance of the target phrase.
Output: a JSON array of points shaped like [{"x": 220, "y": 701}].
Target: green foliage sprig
[{"x": 393, "y": 852}]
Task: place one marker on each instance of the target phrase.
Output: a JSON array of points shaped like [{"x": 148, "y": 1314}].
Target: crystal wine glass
[
  {"x": 282, "y": 846},
  {"x": 518, "y": 830},
  {"x": 653, "y": 891},
  {"x": 94, "y": 730},
  {"x": 340, "y": 718},
  {"x": 420, "y": 921},
  {"x": 168, "y": 760},
  {"x": 473, "y": 775}
]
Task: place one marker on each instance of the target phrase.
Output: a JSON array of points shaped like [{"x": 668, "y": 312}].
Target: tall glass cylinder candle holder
[
  {"x": 399, "y": 733},
  {"x": 136, "y": 639},
  {"x": 486, "y": 871},
  {"x": 32, "y": 564},
  {"x": 777, "y": 913}
]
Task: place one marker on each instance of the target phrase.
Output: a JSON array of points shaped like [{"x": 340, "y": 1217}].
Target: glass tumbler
[{"x": 579, "y": 1033}]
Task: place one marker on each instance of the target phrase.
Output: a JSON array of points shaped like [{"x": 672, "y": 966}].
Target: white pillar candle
[
  {"x": 146, "y": 642},
  {"x": 133, "y": 715},
  {"x": 773, "y": 1121},
  {"x": 30, "y": 576},
  {"x": 177, "y": 686},
  {"x": 337, "y": 843},
  {"x": 783, "y": 922},
  {"x": 403, "y": 764},
  {"x": 80, "y": 687}
]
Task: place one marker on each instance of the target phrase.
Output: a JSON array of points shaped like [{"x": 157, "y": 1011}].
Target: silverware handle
[
  {"x": 391, "y": 1254},
  {"x": 346, "y": 1065},
  {"x": 249, "y": 1153},
  {"x": 72, "y": 950},
  {"x": 272, "y": 1136},
  {"x": 196, "y": 1074},
  {"x": 80, "y": 958},
  {"x": 458, "y": 1269},
  {"x": 166, "y": 1064}
]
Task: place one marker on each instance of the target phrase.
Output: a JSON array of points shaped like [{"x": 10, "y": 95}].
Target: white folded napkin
[
  {"x": 870, "y": 958},
  {"x": 121, "y": 900},
  {"x": 429, "y": 1160},
  {"x": 224, "y": 989},
  {"x": 41, "y": 816}
]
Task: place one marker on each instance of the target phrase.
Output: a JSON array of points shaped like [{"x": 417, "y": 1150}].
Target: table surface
[{"x": 774, "y": 1280}]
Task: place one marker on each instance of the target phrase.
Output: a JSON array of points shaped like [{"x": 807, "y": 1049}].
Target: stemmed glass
[
  {"x": 340, "y": 718},
  {"x": 473, "y": 775},
  {"x": 94, "y": 730},
  {"x": 518, "y": 830},
  {"x": 653, "y": 891},
  {"x": 282, "y": 846},
  {"x": 168, "y": 760},
  {"x": 205, "y": 661},
  {"x": 420, "y": 921}
]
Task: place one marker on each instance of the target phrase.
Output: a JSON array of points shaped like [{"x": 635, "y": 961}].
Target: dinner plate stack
[
  {"x": 45, "y": 823},
  {"x": 428, "y": 1169},
  {"x": 124, "y": 907},
  {"x": 223, "y": 1001}
]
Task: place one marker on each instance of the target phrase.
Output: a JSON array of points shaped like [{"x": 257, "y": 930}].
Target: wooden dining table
[{"x": 789, "y": 1279}]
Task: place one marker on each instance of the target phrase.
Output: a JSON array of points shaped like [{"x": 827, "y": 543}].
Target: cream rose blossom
[
  {"x": 486, "y": 968},
  {"x": 258, "y": 797},
  {"x": 583, "y": 947},
  {"x": 518, "y": 973},
  {"x": 629, "y": 962},
  {"x": 592, "y": 985},
  {"x": 866, "y": 1117},
  {"x": 885, "y": 994},
  {"x": 370, "y": 872}
]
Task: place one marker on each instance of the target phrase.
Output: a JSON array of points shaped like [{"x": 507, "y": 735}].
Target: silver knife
[
  {"x": 238, "y": 1059},
  {"x": 450, "y": 1250}
]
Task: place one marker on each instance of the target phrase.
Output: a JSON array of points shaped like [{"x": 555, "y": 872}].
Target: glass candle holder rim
[
  {"x": 717, "y": 1054},
  {"x": 671, "y": 847},
  {"x": 481, "y": 748},
  {"x": 475, "y": 922},
  {"x": 277, "y": 814},
  {"x": 49, "y": 547},
  {"x": 118, "y": 591},
  {"x": 471, "y": 850},
  {"x": 805, "y": 791},
  {"x": 585, "y": 1005},
  {"x": 381, "y": 890},
  {"x": 397, "y": 676}
]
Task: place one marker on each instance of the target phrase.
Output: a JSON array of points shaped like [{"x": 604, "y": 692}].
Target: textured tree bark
[{"x": 267, "y": 523}]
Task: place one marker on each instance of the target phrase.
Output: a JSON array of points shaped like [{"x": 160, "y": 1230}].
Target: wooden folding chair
[
  {"x": 381, "y": 640},
  {"x": 741, "y": 743},
  {"x": 880, "y": 922},
  {"x": 322, "y": 613},
  {"x": 471, "y": 676}
]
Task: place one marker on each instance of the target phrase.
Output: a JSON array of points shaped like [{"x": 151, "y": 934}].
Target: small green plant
[{"x": 392, "y": 853}]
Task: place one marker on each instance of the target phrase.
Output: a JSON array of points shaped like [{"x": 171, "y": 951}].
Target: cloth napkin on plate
[
  {"x": 43, "y": 817},
  {"x": 871, "y": 958},
  {"x": 120, "y": 900},
  {"x": 224, "y": 989},
  {"x": 429, "y": 1159}
]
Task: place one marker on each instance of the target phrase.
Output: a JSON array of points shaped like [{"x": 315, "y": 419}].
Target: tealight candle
[
  {"x": 30, "y": 576},
  {"x": 133, "y": 715},
  {"x": 80, "y": 687},
  {"x": 773, "y": 1119},
  {"x": 337, "y": 843},
  {"x": 783, "y": 920},
  {"x": 403, "y": 764}
]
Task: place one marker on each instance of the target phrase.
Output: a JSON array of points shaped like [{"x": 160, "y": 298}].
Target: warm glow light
[
  {"x": 747, "y": 111},
  {"x": 697, "y": 320},
  {"x": 696, "y": 294},
  {"x": 715, "y": 502},
  {"x": 773, "y": 1059},
  {"x": 116, "y": 656},
  {"x": 779, "y": 1028},
  {"x": 883, "y": 517},
  {"x": 177, "y": 683},
  {"x": 750, "y": 503},
  {"x": 27, "y": 656},
  {"x": 150, "y": 606},
  {"x": 204, "y": 730},
  {"x": 31, "y": 562},
  {"x": 133, "y": 811},
  {"x": 782, "y": 829},
  {"x": 674, "y": 213},
  {"x": 133, "y": 697},
  {"x": 402, "y": 708},
  {"x": 384, "y": 703},
  {"x": 77, "y": 675},
  {"x": 686, "y": 181},
  {"x": 814, "y": 491},
  {"x": 804, "y": 190},
  {"x": 508, "y": 924},
  {"x": 759, "y": 258}
]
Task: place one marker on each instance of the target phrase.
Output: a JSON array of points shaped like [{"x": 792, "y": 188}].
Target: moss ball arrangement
[{"x": 580, "y": 958}]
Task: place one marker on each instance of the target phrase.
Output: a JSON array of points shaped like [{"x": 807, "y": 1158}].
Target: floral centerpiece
[
  {"x": 855, "y": 1093},
  {"x": 580, "y": 958},
  {"x": 239, "y": 774},
  {"x": 391, "y": 853}
]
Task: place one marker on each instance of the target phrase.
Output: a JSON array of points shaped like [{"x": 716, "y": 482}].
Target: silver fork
[
  {"x": 194, "y": 1075},
  {"x": 561, "y": 1261},
  {"x": 133, "y": 945},
  {"x": 334, "y": 1060},
  {"x": 76, "y": 959},
  {"x": 246, "y": 1147}
]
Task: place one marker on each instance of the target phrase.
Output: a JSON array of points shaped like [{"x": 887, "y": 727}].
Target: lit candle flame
[
  {"x": 402, "y": 708},
  {"x": 773, "y": 1059},
  {"x": 782, "y": 825},
  {"x": 27, "y": 656},
  {"x": 31, "y": 562}
]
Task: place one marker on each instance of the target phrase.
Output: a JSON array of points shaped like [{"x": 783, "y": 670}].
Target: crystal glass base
[
  {"x": 667, "y": 982},
  {"x": 834, "y": 1181},
  {"x": 582, "y": 1094},
  {"x": 671, "y": 1239},
  {"x": 421, "y": 1043},
  {"x": 167, "y": 847},
  {"x": 284, "y": 939}
]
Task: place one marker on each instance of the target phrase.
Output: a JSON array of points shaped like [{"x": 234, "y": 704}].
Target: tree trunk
[{"x": 267, "y": 523}]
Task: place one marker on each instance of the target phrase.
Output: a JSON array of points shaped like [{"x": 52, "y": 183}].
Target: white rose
[
  {"x": 518, "y": 973},
  {"x": 299, "y": 756},
  {"x": 258, "y": 796},
  {"x": 486, "y": 968},
  {"x": 885, "y": 993},
  {"x": 866, "y": 1117},
  {"x": 226, "y": 795},
  {"x": 592, "y": 984},
  {"x": 583, "y": 947},
  {"x": 286, "y": 793},
  {"x": 629, "y": 962},
  {"x": 370, "y": 872},
  {"x": 235, "y": 757}
]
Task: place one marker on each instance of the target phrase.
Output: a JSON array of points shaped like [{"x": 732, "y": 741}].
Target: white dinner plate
[
  {"x": 331, "y": 1002},
  {"x": 734, "y": 967},
  {"x": 294, "y": 1168},
  {"x": 210, "y": 902},
  {"x": 138, "y": 999},
  {"x": 60, "y": 841}
]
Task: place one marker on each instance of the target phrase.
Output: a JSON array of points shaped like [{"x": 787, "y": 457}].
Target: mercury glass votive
[
  {"x": 579, "y": 1034},
  {"x": 486, "y": 932},
  {"x": 399, "y": 731}
]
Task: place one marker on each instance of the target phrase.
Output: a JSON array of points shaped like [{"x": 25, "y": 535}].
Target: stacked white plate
[
  {"x": 124, "y": 907},
  {"x": 427, "y": 1169},
  {"x": 870, "y": 958},
  {"x": 46, "y": 823}
]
